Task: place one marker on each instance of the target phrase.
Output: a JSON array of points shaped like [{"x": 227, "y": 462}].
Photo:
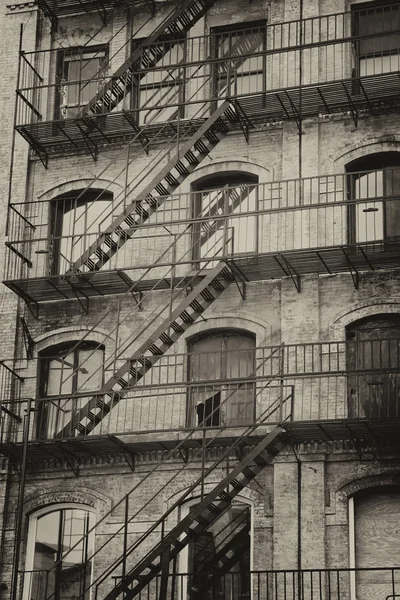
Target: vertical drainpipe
[{"x": 299, "y": 561}]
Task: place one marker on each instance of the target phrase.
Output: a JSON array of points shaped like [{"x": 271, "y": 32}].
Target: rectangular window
[
  {"x": 160, "y": 85},
  {"x": 237, "y": 68},
  {"x": 80, "y": 75},
  {"x": 377, "y": 28}
]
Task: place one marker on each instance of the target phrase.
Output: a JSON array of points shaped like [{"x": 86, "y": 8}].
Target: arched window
[
  {"x": 76, "y": 220},
  {"x": 219, "y": 205},
  {"x": 68, "y": 368},
  {"x": 374, "y": 188},
  {"x": 374, "y": 540},
  {"x": 59, "y": 549},
  {"x": 218, "y": 357},
  {"x": 374, "y": 352}
]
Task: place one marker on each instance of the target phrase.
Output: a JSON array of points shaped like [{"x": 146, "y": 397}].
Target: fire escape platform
[
  {"x": 259, "y": 267},
  {"x": 369, "y": 431},
  {"x": 373, "y": 95},
  {"x": 382, "y": 431}
]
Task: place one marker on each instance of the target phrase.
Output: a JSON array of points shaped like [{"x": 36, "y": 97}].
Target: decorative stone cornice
[{"x": 20, "y": 7}]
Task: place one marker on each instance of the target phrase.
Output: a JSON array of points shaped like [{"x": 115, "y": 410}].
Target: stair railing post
[
  {"x": 126, "y": 517},
  {"x": 173, "y": 273},
  {"x": 203, "y": 461},
  {"x": 281, "y": 386}
]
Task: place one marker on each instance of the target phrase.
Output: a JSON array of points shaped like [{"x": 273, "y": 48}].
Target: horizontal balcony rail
[
  {"x": 229, "y": 389},
  {"x": 305, "y": 584},
  {"x": 340, "y": 72},
  {"x": 45, "y": 238},
  {"x": 262, "y": 60}
]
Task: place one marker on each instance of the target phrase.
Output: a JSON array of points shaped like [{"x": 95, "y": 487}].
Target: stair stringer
[
  {"x": 200, "y": 517},
  {"x": 178, "y": 22},
  {"x": 159, "y": 342},
  {"x": 105, "y": 247}
]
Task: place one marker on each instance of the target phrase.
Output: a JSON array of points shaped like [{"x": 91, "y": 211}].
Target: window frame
[
  {"x": 213, "y": 183},
  {"x": 355, "y": 27},
  {"x": 216, "y": 32},
  {"x": 65, "y": 56},
  {"x": 372, "y": 163},
  {"x": 32, "y": 530},
  {"x": 59, "y": 207},
  {"x": 191, "y": 417},
  {"x": 134, "y": 103},
  {"x": 44, "y": 399},
  {"x": 183, "y": 559}
]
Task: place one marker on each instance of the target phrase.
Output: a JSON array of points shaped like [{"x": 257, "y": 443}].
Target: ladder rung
[
  {"x": 176, "y": 327},
  {"x": 195, "y": 304},
  {"x": 186, "y": 318},
  {"x": 155, "y": 350},
  {"x": 164, "y": 337}
]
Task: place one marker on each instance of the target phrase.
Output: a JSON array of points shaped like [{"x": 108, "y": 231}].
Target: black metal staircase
[
  {"x": 160, "y": 341},
  {"x": 188, "y": 157},
  {"x": 146, "y": 55},
  {"x": 214, "y": 505}
]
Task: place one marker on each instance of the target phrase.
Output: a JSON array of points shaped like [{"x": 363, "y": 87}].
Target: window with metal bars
[
  {"x": 373, "y": 362},
  {"x": 224, "y": 208},
  {"x": 158, "y": 86},
  {"x": 221, "y": 358},
  {"x": 238, "y": 68},
  {"x": 80, "y": 75},
  {"x": 77, "y": 219},
  {"x": 374, "y": 188},
  {"x": 376, "y": 26},
  {"x": 67, "y": 369}
]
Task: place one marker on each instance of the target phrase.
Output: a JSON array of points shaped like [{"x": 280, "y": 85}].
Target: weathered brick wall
[{"x": 273, "y": 310}]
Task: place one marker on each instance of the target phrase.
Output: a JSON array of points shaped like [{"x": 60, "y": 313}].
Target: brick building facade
[{"x": 200, "y": 375}]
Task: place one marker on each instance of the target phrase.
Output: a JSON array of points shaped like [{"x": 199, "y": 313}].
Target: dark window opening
[
  {"x": 374, "y": 351},
  {"x": 377, "y": 25},
  {"x": 80, "y": 75},
  {"x": 219, "y": 560},
  {"x": 224, "y": 206},
  {"x": 76, "y": 220},
  {"x": 374, "y": 186},
  {"x": 217, "y": 358},
  {"x": 66, "y": 369}
]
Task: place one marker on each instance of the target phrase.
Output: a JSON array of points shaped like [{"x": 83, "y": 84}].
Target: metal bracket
[
  {"x": 144, "y": 140},
  {"x": 296, "y": 114},
  {"x": 239, "y": 277},
  {"x": 28, "y": 339},
  {"x": 75, "y": 291},
  {"x": 127, "y": 453},
  {"x": 90, "y": 145},
  {"x": 356, "y": 442},
  {"x": 244, "y": 121},
  {"x": 34, "y": 311},
  {"x": 67, "y": 457},
  {"x": 352, "y": 107},
  {"x": 353, "y": 271},
  {"x": 289, "y": 271},
  {"x": 184, "y": 454}
]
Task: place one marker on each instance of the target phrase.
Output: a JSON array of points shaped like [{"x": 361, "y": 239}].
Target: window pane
[
  {"x": 90, "y": 373},
  {"x": 369, "y": 215},
  {"x": 60, "y": 375},
  {"x": 80, "y": 227},
  {"x": 56, "y": 533}
]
